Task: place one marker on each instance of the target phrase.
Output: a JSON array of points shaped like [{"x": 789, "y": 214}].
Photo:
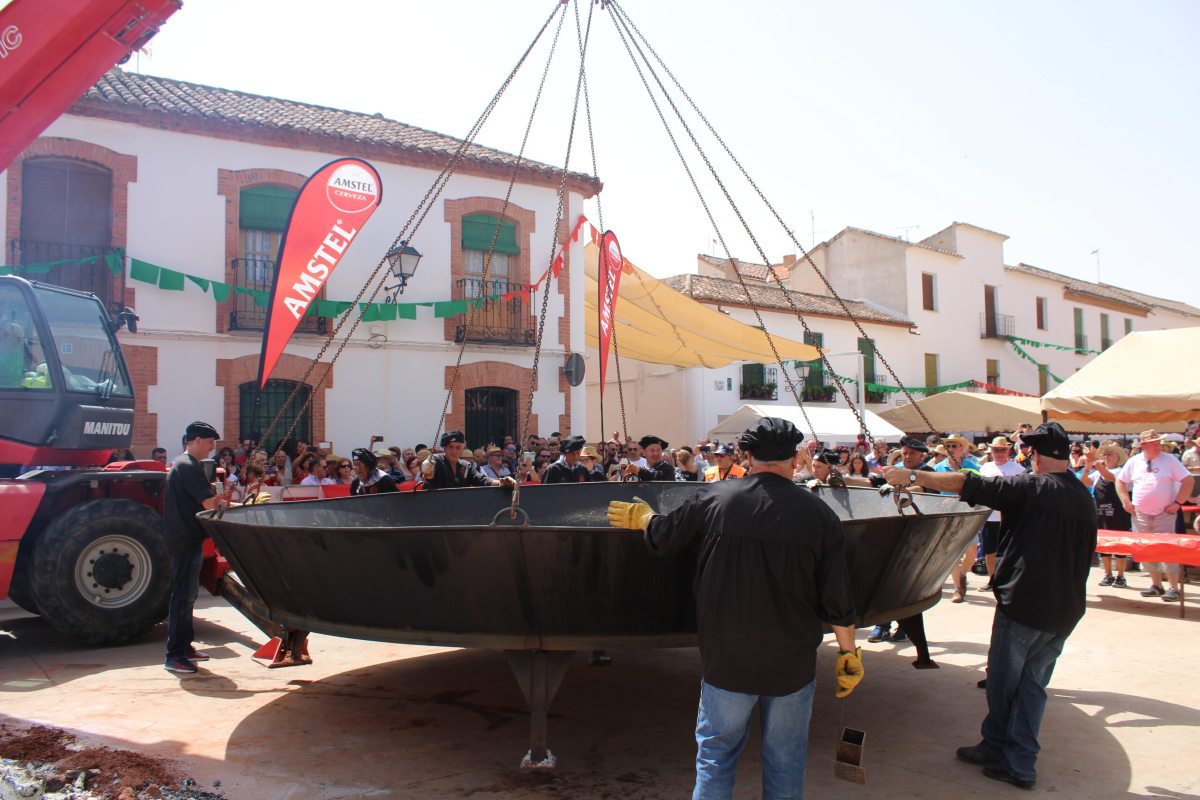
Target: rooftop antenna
[
  {"x": 813, "y": 217},
  {"x": 1096, "y": 253},
  {"x": 908, "y": 228}
]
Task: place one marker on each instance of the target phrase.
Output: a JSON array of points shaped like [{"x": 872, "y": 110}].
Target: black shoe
[
  {"x": 982, "y": 684},
  {"x": 975, "y": 754},
  {"x": 997, "y": 772}
]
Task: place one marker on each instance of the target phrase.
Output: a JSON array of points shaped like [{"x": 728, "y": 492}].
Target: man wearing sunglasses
[
  {"x": 958, "y": 459},
  {"x": 1160, "y": 484}
]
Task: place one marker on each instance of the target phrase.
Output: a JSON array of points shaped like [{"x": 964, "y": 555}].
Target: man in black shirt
[
  {"x": 567, "y": 469},
  {"x": 368, "y": 477},
  {"x": 771, "y": 571},
  {"x": 447, "y": 471},
  {"x": 657, "y": 468},
  {"x": 1045, "y": 552},
  {"x": 188, "y": 493}
]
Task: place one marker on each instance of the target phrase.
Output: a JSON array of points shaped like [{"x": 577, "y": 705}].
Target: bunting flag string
[
  {"x": 1031, "y": 359},
  {"x": 1063, "y": 347}
]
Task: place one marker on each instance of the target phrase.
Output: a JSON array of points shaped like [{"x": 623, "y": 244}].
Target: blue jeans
[
  {"x": 723, "y": 726},
  {"x": 185, "y": 585},
  {"x": 1020, "y": 662}
]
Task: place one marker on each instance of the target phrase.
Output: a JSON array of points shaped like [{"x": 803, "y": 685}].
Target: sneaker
[
  {"x": 976, "y": 754},
  {"x": 179, "y": 664},
  {"x": 1170, "y": 596},
  {"x": 880, "y": 633},
  {"x": 1120, "y": 582},
  {"x": 1107, "y": 580},
  {"x": 1153, "y": 591},
  {"x": 197, "y": 655},
  {"x": 899, "y": 635}
]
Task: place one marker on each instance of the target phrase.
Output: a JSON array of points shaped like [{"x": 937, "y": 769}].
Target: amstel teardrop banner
[
  {"x": 609, "y": 277},
  {"x": 330, "y": 210}
]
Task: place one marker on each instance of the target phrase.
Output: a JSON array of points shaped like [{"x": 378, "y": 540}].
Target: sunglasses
[
  {"x": 343, "y": 466},
  {"x": 954, "y": 447}
]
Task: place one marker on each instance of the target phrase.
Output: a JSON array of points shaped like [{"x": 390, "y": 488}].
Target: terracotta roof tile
[
  {"x": 748, "y": 270},
  {"x": 1106, "y": 291},
  {"x": 722, "y": 290},
  {"x": 169, "y": 96}
]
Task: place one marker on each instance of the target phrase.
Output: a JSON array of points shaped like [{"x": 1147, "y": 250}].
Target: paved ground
[{"x": 378, "y": 720}]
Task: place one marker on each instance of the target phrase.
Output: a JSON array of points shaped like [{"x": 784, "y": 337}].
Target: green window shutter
[
  {"x": 816, "y": 370},
  {"x": 478, "y": 230},
  {"x": 753, "y": 375},
  {"x": 867, "y": 348},
  {"x": 265, "y": 208}
]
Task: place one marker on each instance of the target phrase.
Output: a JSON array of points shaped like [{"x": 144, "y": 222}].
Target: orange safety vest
[{"x": 714, "y": 473}]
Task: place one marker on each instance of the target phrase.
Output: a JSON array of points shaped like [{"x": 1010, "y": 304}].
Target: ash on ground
[{"x": 41, "y": 763}]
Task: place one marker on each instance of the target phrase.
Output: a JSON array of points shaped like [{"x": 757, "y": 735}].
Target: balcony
[
  {"x": 1081, "y": 342},
  {"x": 995, "y": 326},
  {"x": 496, "y": 321},
  {"x": 94, "y": 276},
  {"x": 759, "y": 391},
  {"x": 1105, "y": 342},
  {"x": 258, "y": 274},
  {"x": 877, "y": 395}
]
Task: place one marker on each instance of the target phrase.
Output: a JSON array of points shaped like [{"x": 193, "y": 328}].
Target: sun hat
[{"x": 1149, "y": 436}]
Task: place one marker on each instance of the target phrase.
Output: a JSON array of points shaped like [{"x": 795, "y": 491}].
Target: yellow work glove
[
  {"x": 635, "y": 516},
  {"x": 848, "y": 672}
]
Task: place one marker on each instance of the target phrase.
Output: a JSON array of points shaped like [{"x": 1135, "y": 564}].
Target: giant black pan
[{"x": 453, "y": 567}]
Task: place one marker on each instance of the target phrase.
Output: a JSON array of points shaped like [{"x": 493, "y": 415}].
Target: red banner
[
  {"x": 609, "y": 277},
  {"x": 331, "y": 209}
]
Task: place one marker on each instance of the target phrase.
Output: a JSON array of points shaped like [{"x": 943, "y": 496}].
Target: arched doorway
[{"x": 491, "y": 415}]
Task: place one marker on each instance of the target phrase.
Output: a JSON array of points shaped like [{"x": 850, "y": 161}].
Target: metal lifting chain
[
  {"x": 422, "y": 208},
  {"x": 558, "y": 218},
  {"x": 695, "y": 186},
  {"x": 778, "y": 218},
  {"x": 487, "y": 259},
  {"x": 587, "y": 107}
]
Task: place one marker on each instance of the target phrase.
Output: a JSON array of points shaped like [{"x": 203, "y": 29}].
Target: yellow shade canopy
[
  {"x": 966, "y": 411},
  {"x": 656, "y": 324},
  {"x": 1144, "y": 378}
]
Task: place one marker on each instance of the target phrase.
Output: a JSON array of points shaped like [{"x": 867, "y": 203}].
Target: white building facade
[{"x": 195, "y": 180}]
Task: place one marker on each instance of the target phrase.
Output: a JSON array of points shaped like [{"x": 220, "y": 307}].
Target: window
[
  {"x": 253, "y": 420},
  {"x": 1080, "y": 338},
  {"x": 491, "y": 415},
  {"x": 1105, "y": 339},
  {"x": 1128, "y": 325},
  {"x": 66, "y": 213},
  {"x": 931, "y": 371},
  {"x": 87, "y": 348},
  {"x": 867, "y": 348},
  {"x": 22, "y": 360},
  {"x": 993, "y": 372},
  {"x": 760, "y": 382},
  {"x": 496, "y": 320},
  {"x": 816, "y": 384},
  {"x": 262, "y": 219},
  {"x": 928, "y": 292},
  {"x": 1043, "y": 378},
  {"x": 1042, "y": 308}
]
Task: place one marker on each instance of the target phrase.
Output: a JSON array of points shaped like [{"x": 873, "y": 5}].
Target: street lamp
[{"x": 402, "y": 261}]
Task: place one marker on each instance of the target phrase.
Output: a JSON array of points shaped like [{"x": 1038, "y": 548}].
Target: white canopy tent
[{"x": 831, "y": 424}]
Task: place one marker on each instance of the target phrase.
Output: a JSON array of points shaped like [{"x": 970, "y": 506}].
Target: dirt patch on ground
[{"x": 50, "y": 757}]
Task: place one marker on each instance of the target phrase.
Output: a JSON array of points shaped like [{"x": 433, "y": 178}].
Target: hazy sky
[{"x": 1069, "y": 126}]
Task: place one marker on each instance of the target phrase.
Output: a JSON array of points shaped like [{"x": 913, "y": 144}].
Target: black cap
[
  {"x": 1050, "y": 440},
  {"x": 827, "y": 456},
  {"x": 200, "y": 430},
  {"x": 365, "y": 456},
  {"x": 914, "y": 444},
  {"x": 771, "y": 439},
  {"x": 572, "y": 444},
  {"x": 726, "y": 450},
  {"x": 451, "y": 436},
  {"x": 646, "y": 441}
]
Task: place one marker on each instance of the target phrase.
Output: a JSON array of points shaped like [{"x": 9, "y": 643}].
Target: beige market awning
[
  {"x": 959, "y": 412},
  {"x": 1143, "y": 381},
  {"x": 657, "y": 324}
]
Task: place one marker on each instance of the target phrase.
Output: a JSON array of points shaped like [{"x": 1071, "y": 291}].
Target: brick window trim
[
  {"x": 523, "y": 218},
  {"x": 230, "y": 184},
  {"x": 487, "y": 373},
  {"x": 142, "y": 362},
  {"x": 233, "y": 372},
  {"x": 122, "y": 167}
]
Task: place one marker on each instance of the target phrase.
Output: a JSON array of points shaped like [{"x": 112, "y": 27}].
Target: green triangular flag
[
  {"x": 370, "y": 312},
  {"x": 201, "y": 282},
  {"x": 115, "y": 261},
  {"x": 220, "y": 291},
  {"x": 386, "y": 311},
  {"x": 449, "y": 308},
  {"x": 143, "y": 271},
  {"x": 170, "y": 280},
  {"x": 261, "y": 299},
  {"x": 406, "y": 311}
]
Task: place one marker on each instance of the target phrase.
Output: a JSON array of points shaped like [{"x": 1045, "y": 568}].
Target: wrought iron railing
[
  {"x": 815, "y": 384},
  {"x": 498, "y": 321},
  {"x": 94, "y": 276},
  {"x": 1081, "y": 342},
  {"x": 257, "y": 275},
  {"x": 996, "y": 326},
  {"x": 759, "y": 391},
  {"x": 876, "y": 395}
]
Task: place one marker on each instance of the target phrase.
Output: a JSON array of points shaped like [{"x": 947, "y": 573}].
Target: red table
[{"x": 1173, "y": 548}]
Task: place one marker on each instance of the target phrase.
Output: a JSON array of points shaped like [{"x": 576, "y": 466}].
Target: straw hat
[
  {"x": 954, "y": 438},
  {"x": 1122, "y": 455},
  {"x": 1001, "y": 443},
  {"x": 589, "y": 452},
  {"x": 1149, "y": 436},
  {"x": 938, "y": 450}
]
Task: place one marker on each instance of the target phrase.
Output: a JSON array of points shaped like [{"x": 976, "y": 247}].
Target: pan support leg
[
  {"x": 539, "y": 674},
  {"x": 914, "y": 626}
]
